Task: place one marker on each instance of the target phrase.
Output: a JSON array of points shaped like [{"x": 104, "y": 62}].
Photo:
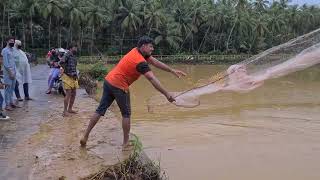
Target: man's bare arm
[
  {"x": 156, "y": 84},
  {"x": 165, "y": 67}
]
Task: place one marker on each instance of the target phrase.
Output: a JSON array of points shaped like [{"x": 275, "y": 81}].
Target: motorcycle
[{"x": 58, "y": 86}]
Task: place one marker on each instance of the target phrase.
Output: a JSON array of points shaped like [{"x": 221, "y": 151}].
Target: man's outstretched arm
[
  {"x": 156, "y": 84},
  {"x": 165, "y": 67}
]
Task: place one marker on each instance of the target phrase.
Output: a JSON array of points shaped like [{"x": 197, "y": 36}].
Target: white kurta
[{"x": 23, "y": 68}]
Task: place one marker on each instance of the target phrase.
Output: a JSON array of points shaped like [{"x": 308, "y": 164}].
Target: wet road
[
  {"x": 38, "y": 143},
  {"x": 26, "y": 120}
]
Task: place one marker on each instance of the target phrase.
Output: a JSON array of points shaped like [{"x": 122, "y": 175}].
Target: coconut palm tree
[
  {"x": 261, "y": 5},
  {"x": 52, "y": 9},
  {"x": 3, "y": 6},
  {"x": 96, "y": 18},
  {"x": 32, "y": 7},
  {"x": 168, "y": 36},
  {"x": 75, "y": 11},
  {"x": 129, "y": 17},
  {"x": 154, "y": 16}
]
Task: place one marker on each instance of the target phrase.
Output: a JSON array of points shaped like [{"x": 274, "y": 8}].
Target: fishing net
[{"x": 297, "y": 54}]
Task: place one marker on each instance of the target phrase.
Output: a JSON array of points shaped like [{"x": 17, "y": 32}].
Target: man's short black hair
[
  {"x": 72, "y": 45},
  {"x": 144, "y": 40},
  {"x": 10, "y": 37}
]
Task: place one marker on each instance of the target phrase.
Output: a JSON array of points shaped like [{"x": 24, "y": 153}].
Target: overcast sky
[
  {"x": 309, "y": 2},
  {"x": 301, "y": 2}
]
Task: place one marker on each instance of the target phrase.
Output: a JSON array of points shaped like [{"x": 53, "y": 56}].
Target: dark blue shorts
[{"x": 111, "y": 93}]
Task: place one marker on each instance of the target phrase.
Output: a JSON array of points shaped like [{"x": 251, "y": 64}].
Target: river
[{"x": 269, "y": 133}]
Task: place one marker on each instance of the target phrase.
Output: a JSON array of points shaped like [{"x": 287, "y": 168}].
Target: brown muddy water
[{"x": 270, "y": 133}]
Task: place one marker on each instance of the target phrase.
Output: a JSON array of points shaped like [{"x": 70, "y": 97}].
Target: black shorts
[{"x": 111, "y": 93}]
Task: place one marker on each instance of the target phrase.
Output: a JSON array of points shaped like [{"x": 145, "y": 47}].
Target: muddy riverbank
[{"x": 38, "y": 143}]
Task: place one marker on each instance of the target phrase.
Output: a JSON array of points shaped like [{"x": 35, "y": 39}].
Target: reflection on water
[{"x": 269, "y": 133}]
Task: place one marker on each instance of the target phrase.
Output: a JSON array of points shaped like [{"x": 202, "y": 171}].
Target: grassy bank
[
  {"x": 170, "y": 59},
  {"x": 173, "y": 59},
  {"x": 137, "y": 167}
]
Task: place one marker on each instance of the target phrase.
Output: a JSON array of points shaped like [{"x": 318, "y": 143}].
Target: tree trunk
[
  {"x": 203, "y": 39},
  {"x": 49, "y": 42},
  {"x": 23, "y": 34},
  {"x": 185, "y": 41},
  {"x": 31, "y": 31},
  {"x": 80, "y": 36},
  {"x": 70, "y": 32},
  {"x": 9, "y": 31},
  {"x": 3, "y": 21},
  {"x": 59, "y": 34},
  {"x": 227, "y": 45},
  {"x": 150, "y": 31},
  {"x": 124, "y": 32},
  {"x": 92, "y": 36},
  {"x": 253, "y": 41},
  {"x": 192, "y": 43}
]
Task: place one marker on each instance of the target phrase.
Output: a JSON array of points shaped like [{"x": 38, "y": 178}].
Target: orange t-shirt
[{"x": 125, "y": 72}]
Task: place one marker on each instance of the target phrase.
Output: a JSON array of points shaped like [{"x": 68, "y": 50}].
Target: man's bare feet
[
  {"x": 72, "y": 111},
  {"x": 83, "y": 142},
  {"x": 127, "y": 147},
  {"x": 66, "y": 114}
]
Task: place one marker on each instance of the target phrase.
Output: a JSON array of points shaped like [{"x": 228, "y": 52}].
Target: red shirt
[{"x": 125, "y": 72}]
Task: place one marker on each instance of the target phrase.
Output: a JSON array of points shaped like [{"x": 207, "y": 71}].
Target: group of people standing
[
  {"x": 16, "y": 71},
  {"x": 64, "y": 65}
]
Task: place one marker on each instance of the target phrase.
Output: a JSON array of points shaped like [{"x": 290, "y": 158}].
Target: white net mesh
[{"x": 295, "y": 55}]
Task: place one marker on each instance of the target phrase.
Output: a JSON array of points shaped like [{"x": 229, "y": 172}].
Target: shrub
[
  {"x": 96, "y": 71},
  {"x": 90, "y": 74}
]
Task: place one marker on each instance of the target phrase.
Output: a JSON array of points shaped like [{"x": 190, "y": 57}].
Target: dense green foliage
[
  {"x": 179, "y": 26},
  {"x": 95, "y": 71}
]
